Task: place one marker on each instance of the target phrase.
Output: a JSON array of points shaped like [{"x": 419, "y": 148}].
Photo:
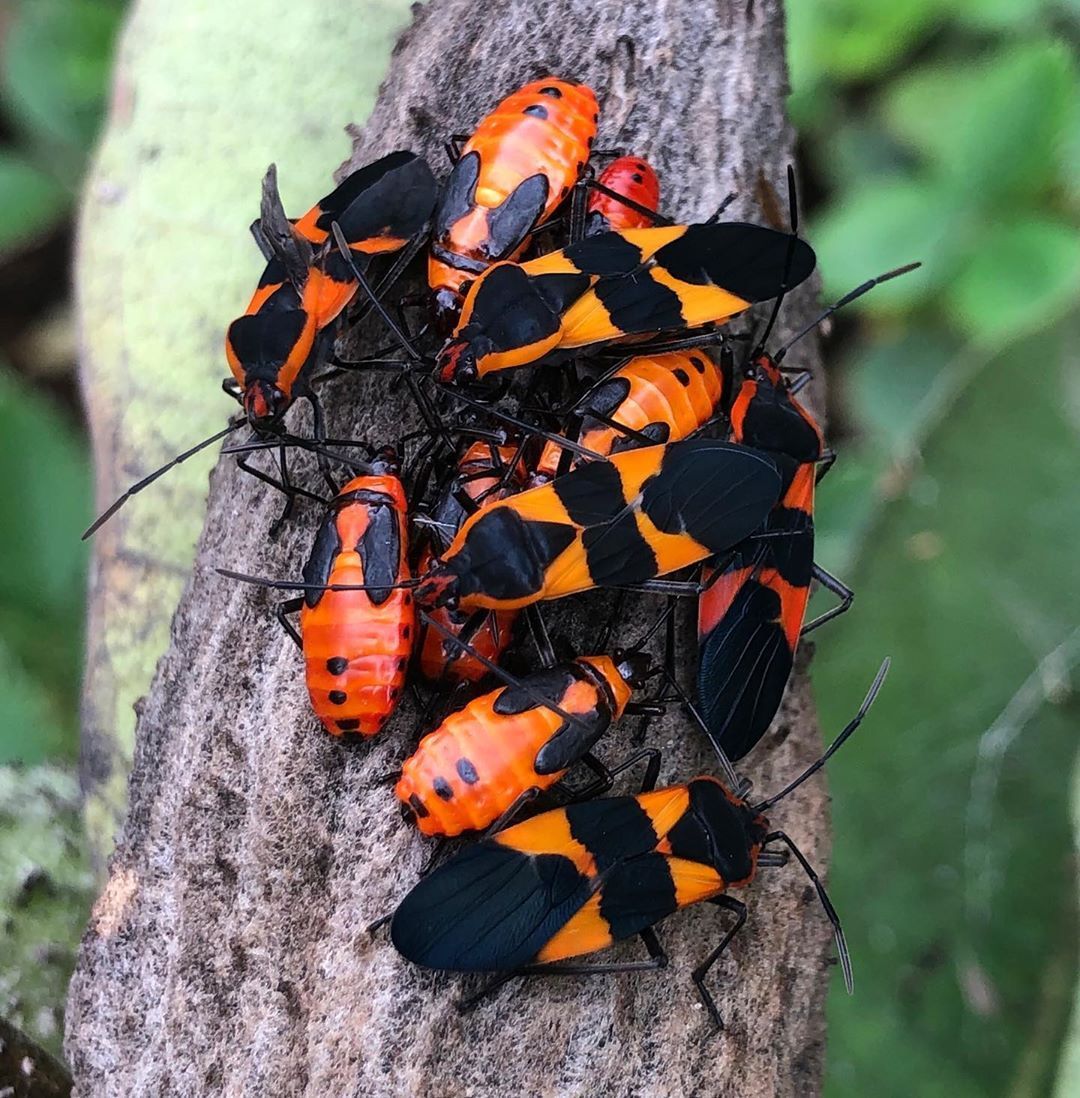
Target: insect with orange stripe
[
  {"x": 357, "y": 622},
  {"x": 521, "y": 163},
  {"x": 660, "y": 281},
  {"x": 289, "y": 327},
  {"x": 577, "y": 879},
  {"x": 620, "y": 521},
  {"x": 648, "y": 399},
  {"x": 751, "y": 610},
  {"x": 486, "y": 471}
]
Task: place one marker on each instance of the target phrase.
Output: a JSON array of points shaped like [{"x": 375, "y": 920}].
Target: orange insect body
[
  {"x": 479, "y": 474},
  {"x": 357, "y": 643},
  {"x": 473, "y": 767},
  {"x": 633, "y": 178},
  {"x": 515, "y": 170},
  {"x": 664, "y": 397}
]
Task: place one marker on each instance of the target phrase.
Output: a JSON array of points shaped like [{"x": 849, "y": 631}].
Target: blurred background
[{"x": 940, "y": 130}]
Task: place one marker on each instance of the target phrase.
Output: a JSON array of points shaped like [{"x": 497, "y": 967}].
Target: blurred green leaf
[
  {"x": 1025, "y": 273},
  {"x": 886, "y": 223},
  {"x": 896, "y": 392},
  {"x": 55, "y": 66},
  {"x": 44, "y": 896},
  {"x": 851, "y": 38},
  {"x": 993, "y": 124},
  {"x": 30, "y": 201},
  {"x": 42, "y": 574},
  {"x": 950, "y": 809},
  {"x": 1068, "y": 1077},
  {"x": 1000, "y": 14}
]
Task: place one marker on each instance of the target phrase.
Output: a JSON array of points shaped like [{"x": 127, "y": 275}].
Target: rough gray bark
[{"x": 228, "y": 953}]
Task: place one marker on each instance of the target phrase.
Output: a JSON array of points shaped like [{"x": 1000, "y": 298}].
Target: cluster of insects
[{"x": 590, "y": 420}]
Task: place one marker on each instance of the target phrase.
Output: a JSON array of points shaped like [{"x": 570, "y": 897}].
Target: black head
[
  {"x": 457, "y": 362},
  {"x": 633, "y": 666}
]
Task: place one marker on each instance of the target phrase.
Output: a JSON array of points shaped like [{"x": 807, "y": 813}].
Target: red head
[
  {"x": 264, "y": 403},
  {"x": 457, "y": 362}
]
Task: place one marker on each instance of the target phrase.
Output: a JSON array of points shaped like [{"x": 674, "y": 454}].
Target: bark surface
[{"x": 228, "y": 952}]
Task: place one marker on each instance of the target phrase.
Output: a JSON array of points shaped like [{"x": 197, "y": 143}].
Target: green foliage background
[{"x": 943, "y": 130}]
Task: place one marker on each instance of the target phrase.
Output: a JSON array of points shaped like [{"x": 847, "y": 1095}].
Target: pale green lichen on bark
[
  {"x": 45, "y": 889},
  {"x": 174, "y": 186}
]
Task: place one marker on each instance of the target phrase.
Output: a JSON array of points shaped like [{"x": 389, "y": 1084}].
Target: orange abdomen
[
  {"x": 467, "y": 772},
  {"x": 491, "y": 202},
  {"x": 633, "y": 178},
  {"x": 667, "y": 397},
  {"x": 357, "y": 643}
]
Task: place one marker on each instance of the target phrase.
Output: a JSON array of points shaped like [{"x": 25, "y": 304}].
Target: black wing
[{"x": 489, "y": 909}]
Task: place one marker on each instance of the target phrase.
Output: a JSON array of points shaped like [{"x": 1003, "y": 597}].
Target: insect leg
[
  {"x": 290, "y": 606},
  {"x": 738, "y": 908},
  {"x": 839, "y": 589}
]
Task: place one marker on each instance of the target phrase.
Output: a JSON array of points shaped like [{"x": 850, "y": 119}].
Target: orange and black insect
[
  {"x": 628, "y": 177},
  {"x": 649, "y": 399},
  {"x": 615, "y": 522},
  {"x": 288, "y": 329},
  {"x": 751, "y": 613},
  {"x": 485, "y": 472},
  {"x": 605, "y": 288},
  {"x": 577, "y": 879},
  {"x": 518, "y": 167},
  {"x": 307, "y": 283},
  {"x": 357, "y": 623},
  {"x": 505, "y": 747}
]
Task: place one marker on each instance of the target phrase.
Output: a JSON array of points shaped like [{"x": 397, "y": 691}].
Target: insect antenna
[
  {"x": 138, "y": 486},
  {"x": 826, "y": 903},
  {"x": 847, "y": 299},
  {"x": 288, "y": 585},
  {"x": 835, "y": 746},
  {"x": 789, "y": 258}
]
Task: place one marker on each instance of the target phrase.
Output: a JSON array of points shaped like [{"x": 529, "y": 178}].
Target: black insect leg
[
  {"x": 839, "y": 589},
  {"x": 290, "y": 606},
  {"x": 738, "y": 908}
]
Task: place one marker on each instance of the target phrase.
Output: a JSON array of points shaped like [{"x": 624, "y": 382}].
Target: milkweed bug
[
  {"x": 648, "y": 399},
  {"x": 289, "y": 326},
  {"x": 577, "y": 879},
  {"x": 751, "y": 611},
  {"x": 505, "y": 747},
  {"x": 357, "y": 623},
  {"x": 520, "y": 164},
  {"x": 607, "y": 287},
  {"x": 615, "y": 522},
  {"x": 626, "y": 178}
]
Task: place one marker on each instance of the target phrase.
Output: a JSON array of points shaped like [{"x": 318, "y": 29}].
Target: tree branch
[{"x": 228, "y": 951}]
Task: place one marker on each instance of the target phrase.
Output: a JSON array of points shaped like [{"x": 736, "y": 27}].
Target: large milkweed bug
[
  {"x": 577, "y": 879},
  {"x": 630, "y": 197},
  {"x": 607, "y": 287},
  {"x": 517, "y": 168},
  {"x": 288, "y": 329},
  {"x": 648, "y": 399},
  {"x": 616, "y": 522},
  {"x": 505, "y": 747},
  {"x": 357, "y": 623},
  {"x": 751, "y": 611}
]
